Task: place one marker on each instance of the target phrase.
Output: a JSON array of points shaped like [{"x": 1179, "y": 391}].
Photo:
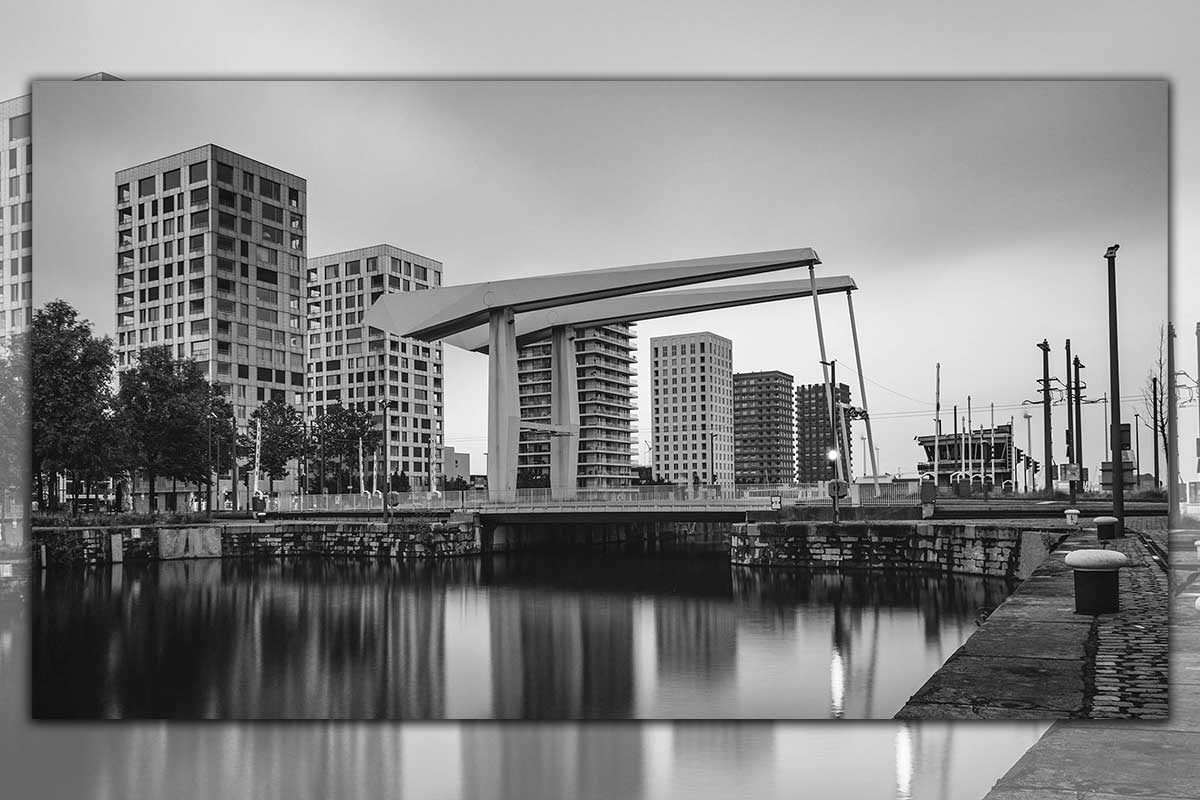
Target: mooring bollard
[
  {"x": 1072, "y": 516},
  {"x": 1097, "y": 585},
  {"x": 1106, "y": 528}
]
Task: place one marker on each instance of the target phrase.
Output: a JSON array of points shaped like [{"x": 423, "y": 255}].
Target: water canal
[{"x": 500, "y": 637}]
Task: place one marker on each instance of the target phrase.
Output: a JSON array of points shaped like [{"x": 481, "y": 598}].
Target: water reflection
[
  {"x": 549, "y": 637},
  {"x": 484, "y": 760}
]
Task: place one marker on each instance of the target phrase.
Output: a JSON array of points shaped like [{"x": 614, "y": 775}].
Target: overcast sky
[{"x": 973, "y": 215}]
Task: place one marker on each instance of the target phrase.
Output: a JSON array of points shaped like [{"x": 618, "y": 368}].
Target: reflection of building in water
[
  {"x": 556, "y": 657},
  {"x": 534, "y": 761},
  {"x": 724, "y": 759},
  {"x": 695, "y": 639}
]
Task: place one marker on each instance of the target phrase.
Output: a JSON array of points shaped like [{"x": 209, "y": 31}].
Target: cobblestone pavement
[
  {"x": 1105, "y": 760},
  {"x": 1131, "y": 661}
]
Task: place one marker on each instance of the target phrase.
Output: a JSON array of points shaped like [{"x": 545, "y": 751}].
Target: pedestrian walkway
[
  {"x": 1035, "y": 658},
  {"x": 1110, "y": 759}
]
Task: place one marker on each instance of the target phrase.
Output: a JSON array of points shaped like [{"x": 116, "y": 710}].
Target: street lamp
[
  {"x": 1114, "y": 369},
  {"x": 835, "y": 484}
]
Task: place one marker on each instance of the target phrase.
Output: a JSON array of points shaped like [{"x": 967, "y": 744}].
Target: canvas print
[{"x": 595, "y": 399}]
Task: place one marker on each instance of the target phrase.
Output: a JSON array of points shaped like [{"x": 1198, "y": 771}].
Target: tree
[
  {"x": 163, "y": 407},
  {"x": 1150, "y": 401},
  {"x": 336, "y": 435},
  {"x": 282, "y": 439},
  {"x": 71, "y": 402},
  {"x": 14, "y": 410}
]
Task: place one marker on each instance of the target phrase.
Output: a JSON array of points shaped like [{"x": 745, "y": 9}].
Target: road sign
[
  {"x": 776, "y": 502},
  {"x": 1068, "y": 472}
]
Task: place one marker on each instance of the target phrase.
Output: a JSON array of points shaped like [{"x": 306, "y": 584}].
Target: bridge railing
[{"x": 756, "y": 496}]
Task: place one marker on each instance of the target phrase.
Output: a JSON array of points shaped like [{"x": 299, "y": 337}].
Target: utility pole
[
  {"x": 1173, "y": 474},
  {"x": 1070, "y": 424},
  {"x": 1137, "y": 449},
  {"x": 1079, "y": 424},
  {"x": 1155, "y": 419},
  {"x": 937, "y": 428},
  {"x": 1114, "y": 369},
  {"x": 1048, "y": 458},
  {"x": 1028, "y": 450}
]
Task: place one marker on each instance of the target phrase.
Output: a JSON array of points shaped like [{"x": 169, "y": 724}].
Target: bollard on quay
[
  {"x": 1097, "y": 584},
  {"x": 1106, "y": 528}
]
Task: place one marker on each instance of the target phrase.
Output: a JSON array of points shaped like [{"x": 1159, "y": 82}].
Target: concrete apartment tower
[
  {"x": 763, "y": 417},
  {"x": 813, "y": 440},
  {"x": 692, "y": 408},
  {"x": 356, "y": 365},
  {"x": 210, "y": 258},
  {"x": 605, "y": 361}
]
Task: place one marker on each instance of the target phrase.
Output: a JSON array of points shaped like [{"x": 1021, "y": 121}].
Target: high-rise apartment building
[
  {"x": 813, "y": 440},
  {"x": 763, "y": 416},
  {"x": 16, "y": 215},
  {"x": 356, "y": 365},
  {"x": 692, "y": 408},
  {"x": 605, "y": 359},
  {"x": 16, "y": 212},
  {"x": 210, "y": 257}
]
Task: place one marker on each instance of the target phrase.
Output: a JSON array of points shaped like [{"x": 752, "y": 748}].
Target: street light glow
[{"x": 832, "y": 455}]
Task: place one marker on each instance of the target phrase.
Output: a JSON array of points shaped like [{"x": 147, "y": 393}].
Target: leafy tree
[
  {"x": 459, "y": 484},
  {"x": 163, "y": 408},
  {"x": 73, "y": 428},
  {"x": 14, "y": 410},
  {"x": 282, "y": 438},
  {"x": 335, "y": 438}
]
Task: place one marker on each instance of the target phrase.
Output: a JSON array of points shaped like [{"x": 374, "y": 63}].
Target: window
[
  {"x": 199, "y": 196},
  {"x": 267, "y": 275},
  {"x": 331, "y": 271},
  {"x": 18, "y": 127},
  {"x": 294, "y": 198},
  {"x": 199, "y": 221},
  {"x": 198, "y": 172},
  {"x": 297, "y": 242},
  {"x": 146, "y": 186},
  {"x": 273, "y": 213},
  {"x": 272, "y": 235},
  {"x": 352, "y": 268},
  {"x": 224, "y": 173},
  {"x": 168, "y": 204},
  {"x": 196, "y": 243},
  {"x": 170, "y": 180},
  {"x": 268, "y": 256},
  {"x": 269, "y": 188}
]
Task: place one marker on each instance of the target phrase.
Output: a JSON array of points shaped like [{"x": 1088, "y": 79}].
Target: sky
[{"x": 973, "y": 215}]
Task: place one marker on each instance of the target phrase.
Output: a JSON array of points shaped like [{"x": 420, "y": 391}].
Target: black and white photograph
[
  {"x": 549, "y": 400},
  {"x": 450, "y": 419}
]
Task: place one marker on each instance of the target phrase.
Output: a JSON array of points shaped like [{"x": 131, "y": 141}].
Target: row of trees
[{"x": 165, "y": 420}]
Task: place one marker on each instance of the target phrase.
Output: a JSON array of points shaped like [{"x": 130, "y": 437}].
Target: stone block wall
[
  {"x": 405, "y": 539},
  {"x": 926, "y": 546}
]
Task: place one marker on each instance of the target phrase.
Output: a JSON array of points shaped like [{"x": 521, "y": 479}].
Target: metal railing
[{"x": 742, "y": 497}]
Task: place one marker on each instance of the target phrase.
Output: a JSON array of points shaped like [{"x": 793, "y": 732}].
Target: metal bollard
[
  {"x": 1106, "y": 528},
  {"x": 1097, "y": 585}
]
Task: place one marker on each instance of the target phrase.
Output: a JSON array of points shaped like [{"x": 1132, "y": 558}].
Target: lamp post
[
  {"x": 832, "y": 455},
  {"x": 1114, "y": 369}
]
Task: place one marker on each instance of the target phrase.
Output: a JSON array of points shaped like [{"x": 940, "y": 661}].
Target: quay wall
[
  {"x": 106, "y": 545},
  {"x": 1004, "y": 551}
]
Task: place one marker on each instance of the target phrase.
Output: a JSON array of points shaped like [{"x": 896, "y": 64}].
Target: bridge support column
[
  {"x": 564, "y": 411},
  {"x": 503, "y": 404}
]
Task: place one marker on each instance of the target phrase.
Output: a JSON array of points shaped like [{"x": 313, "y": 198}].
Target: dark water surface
[{"x": 536, "y": 637}]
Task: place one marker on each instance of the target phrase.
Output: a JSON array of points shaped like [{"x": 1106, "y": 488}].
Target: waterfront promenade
[
  {"x": 1108, "y": 759},
  {"x": 1034, "y": 658}
]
